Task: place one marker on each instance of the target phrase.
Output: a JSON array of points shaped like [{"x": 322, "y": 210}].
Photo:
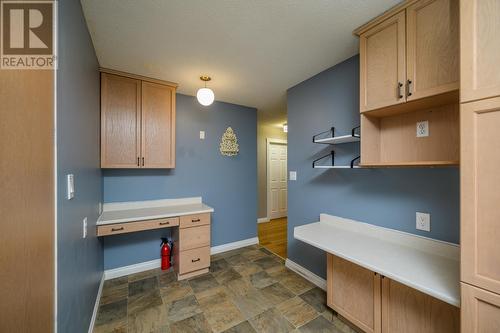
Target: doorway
[{"x": 277, "y": 187}]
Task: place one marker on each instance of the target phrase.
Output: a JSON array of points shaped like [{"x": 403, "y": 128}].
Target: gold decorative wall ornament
[{"x": 229, "y": 143}]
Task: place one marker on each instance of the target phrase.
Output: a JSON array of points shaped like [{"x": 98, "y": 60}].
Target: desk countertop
[{"x": 149, "y": 210}]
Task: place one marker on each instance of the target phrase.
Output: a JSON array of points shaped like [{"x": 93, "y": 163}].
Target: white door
[{"x": 277, "y": 180}]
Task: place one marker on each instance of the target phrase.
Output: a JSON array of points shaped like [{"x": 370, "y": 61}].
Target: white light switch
[
  {"x": 85, "y": 227},
  {"x": 202, "y": 135},
  {"x": 71, "y": 186},
  {"x": 293, "y": 175},
  {"x": 423, "y": 221},
  {"x": 422, "y": 129}
]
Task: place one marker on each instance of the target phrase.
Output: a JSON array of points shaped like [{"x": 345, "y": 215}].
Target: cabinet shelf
[
  {"x": 335, "y": 140},
  {"x": 351, "y": 165},
  {"x": 410, "y": 164}
]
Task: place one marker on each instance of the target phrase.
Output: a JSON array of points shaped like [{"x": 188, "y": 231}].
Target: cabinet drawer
[
  {"x": 194, "y": 220},
  {"x": 192, "y": 238},
  {"x": 121, "y": 228},
  {"x": 193, "y": 260}
]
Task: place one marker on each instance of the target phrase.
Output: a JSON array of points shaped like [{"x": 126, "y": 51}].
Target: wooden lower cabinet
[
  {"x": 192, "y": 246},
  {"x": 408, "y": 310},
  {"x": 375, "y": 303},
  {"x": 354, "y": 292},
  {"x": 480, "y": 310}
]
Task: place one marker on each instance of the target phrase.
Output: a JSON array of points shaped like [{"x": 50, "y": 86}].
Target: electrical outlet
[
  {"x": 423, "y": 221},
  {"x": 85, "y": 227},
  {"x": 293, "y": 175},
  {"x": 422, "y": 129},
  {"x": 202, "y": 135}
]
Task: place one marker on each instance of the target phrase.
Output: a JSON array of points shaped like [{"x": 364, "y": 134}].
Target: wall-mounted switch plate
[
  {"x": 85, "y": 227},
  {"x": 202, "y": 135},
  {"x": 423, "y": 221},
  {"x": 293, "y": 175},
  {"x": 422, "y": 129},
  {"x": 70, "y": 186}
]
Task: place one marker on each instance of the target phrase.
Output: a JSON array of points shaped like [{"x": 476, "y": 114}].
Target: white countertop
[
  {"x": 430, "y": 266},
  {"x": 153, "y": 209}
]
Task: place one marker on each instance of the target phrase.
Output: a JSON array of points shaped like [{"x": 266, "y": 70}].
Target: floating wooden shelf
[
  {"x": 335, "y": 140},
  {"x": 332, "y": 165},
  {"x": 410, "y": 164}
]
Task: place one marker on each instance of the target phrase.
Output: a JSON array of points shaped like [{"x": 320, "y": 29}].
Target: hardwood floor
[{"x": 273, "y": 236}]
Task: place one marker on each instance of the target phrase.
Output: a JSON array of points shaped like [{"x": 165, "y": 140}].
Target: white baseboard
[
  {"x": 131, "y": 269},
  {"x": 234, "y": 245},
  {"x": 306, "y": 274},
  {"x": 96, "y": 305},
  {"x": 156, "y": 263},
  {"x": 263, "y": 220}
]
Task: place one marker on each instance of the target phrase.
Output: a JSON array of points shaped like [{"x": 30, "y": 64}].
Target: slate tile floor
[{"x": 247, "y": 290}]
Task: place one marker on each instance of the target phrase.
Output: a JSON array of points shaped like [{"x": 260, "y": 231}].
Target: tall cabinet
[
  {"x": 137, "y": 121},
  {"x": 480, "y": 157}
]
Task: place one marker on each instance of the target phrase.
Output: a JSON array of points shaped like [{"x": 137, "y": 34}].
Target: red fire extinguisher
[{"x": 166, "y": 253}]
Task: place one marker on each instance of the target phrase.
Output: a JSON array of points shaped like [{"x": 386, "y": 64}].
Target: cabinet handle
[
  {"x": 409, "y": 87},
  {"x": 164, "y": 223},
  {"x": 195, "y": 220},
  {"x": 400, "y": 92},
  {"x": 138, "y": 163},
  {"x": 116, "y": 229},
  {"x": 143, "y": 161},
  {"x": 195, "y": 260}
]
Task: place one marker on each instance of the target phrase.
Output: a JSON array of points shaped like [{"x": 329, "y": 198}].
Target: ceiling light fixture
[{"x": 205, "y": 95}]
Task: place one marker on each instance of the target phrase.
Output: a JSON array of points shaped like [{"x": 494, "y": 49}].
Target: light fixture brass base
[{"x": 205, "y": 78}]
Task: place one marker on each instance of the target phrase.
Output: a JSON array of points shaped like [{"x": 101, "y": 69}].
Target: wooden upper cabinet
[
  {"x": 480, "y": 310},
  {"x": 354, "y": 292},
  {"x": 480, "y": 49},
  {"x": 158, "y": 125},
  {"x": 432, "y": 48},
  {"x": 120, "y": 121},
  {"x": 480, "y": 195},
  {"x": 409, "y": 57},
  {"x": 405, "y": 309},
  {"x": 382, "y": 64},
  {"x": 137, "y": 121}
]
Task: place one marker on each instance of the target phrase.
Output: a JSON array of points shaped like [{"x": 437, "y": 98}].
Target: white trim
[
  {"x": 96, "y": 305},
  {"x": 263, "y": 220},
  {"x": 131, "y": 269},
  {"x": 234, "y": 245},
  {"x": 156, "y": 263},
  {"x": 270, "y": 141},
  {"x": 306, "y": 274}
]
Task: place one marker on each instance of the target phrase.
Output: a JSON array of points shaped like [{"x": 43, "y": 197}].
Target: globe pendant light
[{"x": 205, "y": 95}]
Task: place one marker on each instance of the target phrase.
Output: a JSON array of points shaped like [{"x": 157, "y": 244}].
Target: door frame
[{"x": 269, "y": 142}]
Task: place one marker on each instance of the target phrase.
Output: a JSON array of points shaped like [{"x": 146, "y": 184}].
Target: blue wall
[
  {"x": 228, "y": 184},
  {"x": 79, "y": 261},
  {"x": 384, "y": 197}
]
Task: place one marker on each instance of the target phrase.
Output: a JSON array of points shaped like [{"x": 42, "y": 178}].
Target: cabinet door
[
  {"x": 407, "y": 310},
  {"x": 480, "y": 195},
  {"x": 382, "y": 64},
  {"x": 158, "y": 126},
  {"x": 480, "y": 49},
  {"x": 480, "y": 310},
  {"x": 120, "y": 121},
  {"x": 354, "y": 292},
  {"x": 433, "y": 48}
]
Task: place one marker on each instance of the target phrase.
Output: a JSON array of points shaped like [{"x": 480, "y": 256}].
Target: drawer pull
[
  {"x": 117, "y": 229},
  {"x": 164, "y": 223},
  {"x": 195, "y": 260},
  {"x": 195, "y": 220}
]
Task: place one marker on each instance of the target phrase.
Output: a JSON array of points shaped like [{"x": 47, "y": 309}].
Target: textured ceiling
[{"x": 254, "y": 50}]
